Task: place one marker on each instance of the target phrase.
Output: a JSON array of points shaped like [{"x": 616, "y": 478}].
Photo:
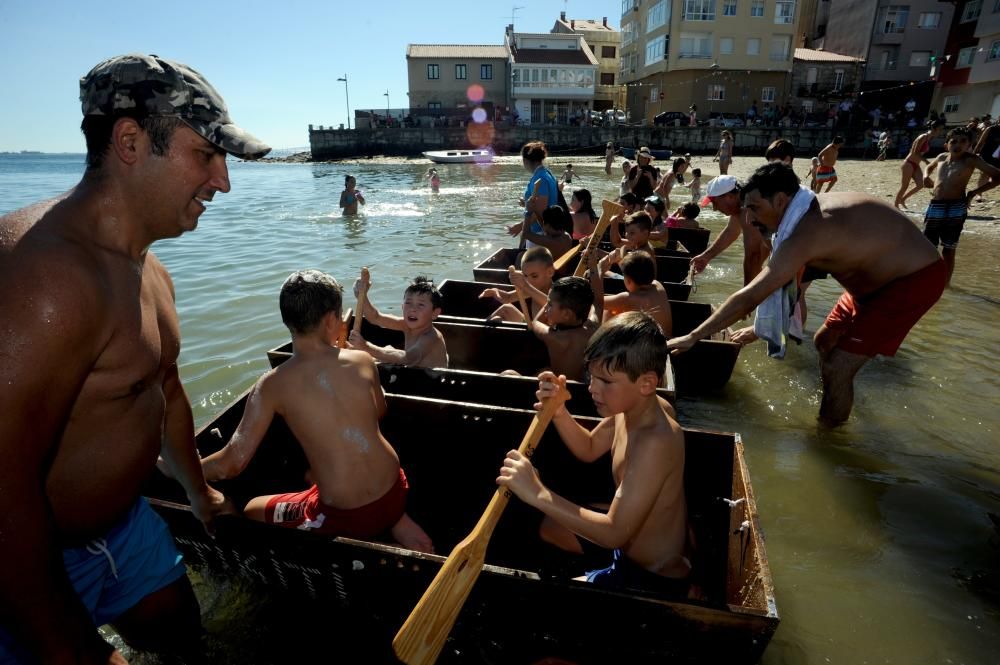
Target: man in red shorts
[{"x": 890, "y": 273}]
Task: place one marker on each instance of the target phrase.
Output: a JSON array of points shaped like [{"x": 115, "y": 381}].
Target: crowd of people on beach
[{"x": 91, "y": 373}]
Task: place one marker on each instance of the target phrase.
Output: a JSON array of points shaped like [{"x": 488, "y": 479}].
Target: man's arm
[
  {"x": 781, "y": 269},
  {"x": 982, "y": 140},
  {"x": 722, "y": 242},
  {"x": 233, "y": 458},
  {"x": 52, "y": 337}
]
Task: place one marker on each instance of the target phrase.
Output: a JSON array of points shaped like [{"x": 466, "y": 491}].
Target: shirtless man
[
  {"x": 642, "y": 292},
  {"x": 89, "y": 389},
  {"x": 891, "y": 275},
  {"x": 723, "y": 193},
  {"x": 569, "y": 325},
  {"x": 827, "y": 162},
  {"x": 423, "y": 344},
  {"x": 332, "y": 400},
  {"x": 945, "y": 216}
]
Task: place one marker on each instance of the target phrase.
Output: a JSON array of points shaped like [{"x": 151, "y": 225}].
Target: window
[
  {"x": 699, "y": 10},
  {"x": 951, "y": 103},
  {"x": 607, "y": 78},
  {"x": 767, "y": 94},
  {"x": 629, "y": 5},
  {"x": 729, "y": 7},
  {"x": 716, "y": 93},
  {"x": 725, "y": 45},
  {"x": 784, "y": 11},
  {"x": 780, "y": 46},
  {"x": 485, "y": 72},
  {"x": 654, "y": 94},
  {"x": 461, "y": 72},
  {"x": 696, "y": 45},
  {"x": 893, "y": 19},
  {"x": 972, "y": 10},
  {"x": 920, "y": 58},
  {"x": 757, "y": 8},
  {"x": 888, "y": 59},
  {"x": 838, "y": 79},
  {"x": 608, "y": 51},
  {"x": 655, "y": 51},
  {"x": 753, "y": 46},
  {"x": 930, "y": 20},
  {"x": 996, "y": 6},
  {"x": 433, "y": 72},
  {"x": 811, "y": 75},
  {"x": 657, "y": 15},
  {"x": 433, "y": 105},
  {"x": 994, "y": 51},
  {"x": 965, "y": 57},
  {"x": 628, "y": 33}
]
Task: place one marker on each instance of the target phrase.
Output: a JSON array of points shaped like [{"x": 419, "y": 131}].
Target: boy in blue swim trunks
[{"x": 646, "y": 524}]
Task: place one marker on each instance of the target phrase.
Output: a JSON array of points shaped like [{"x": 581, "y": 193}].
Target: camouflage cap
[{"x": 165, "y": 88}]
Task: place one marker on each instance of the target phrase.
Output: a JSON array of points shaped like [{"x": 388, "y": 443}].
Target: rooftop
[
  {"x": 547, "y": 56},
  {"x": 479, "y": 51},
  {"x": 812, "y": 55},
  {"x": 585, "y": 25}
]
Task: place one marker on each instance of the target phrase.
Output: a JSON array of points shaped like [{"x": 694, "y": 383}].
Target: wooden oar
[
  {"x": 610, "y": 209},
  {"x": 362, "y": 299},
  {"x": 520, "y": 296},
  {"x": 425, "y": 631}
]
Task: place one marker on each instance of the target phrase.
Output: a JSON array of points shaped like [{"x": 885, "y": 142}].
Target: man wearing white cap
[
  {"x": 723, "y": 193},
  {"x": 90, "y": 394}
]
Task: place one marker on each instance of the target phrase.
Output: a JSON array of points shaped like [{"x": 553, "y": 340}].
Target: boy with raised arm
[
  {"x": 424, "y": 346},
  {"x": 646, "y": 523},
  {"x": 642, "y": 292},
  {"x": 569, "y": 324},
  {"x": 945, "y": 216},
  {"x": 332, "y": 401},
  {"x": 538, "y": 269}
]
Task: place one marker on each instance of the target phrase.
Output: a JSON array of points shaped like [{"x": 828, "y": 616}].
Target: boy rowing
[
  {"x": 332, "y": 400},
  {"x": 538, "y": 269},
  {"x": 646, "y": 523},
  {"x": 568, "y": 326}
]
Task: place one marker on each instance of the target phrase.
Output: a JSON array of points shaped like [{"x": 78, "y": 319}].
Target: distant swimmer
[
  {"x": 945, "y": 216},
  {"x": 891, "y": 275},
  {"x": 435, "y": 180},
  {"x": 350, "y": 197}
]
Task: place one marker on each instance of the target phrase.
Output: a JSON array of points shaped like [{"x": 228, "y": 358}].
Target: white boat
[{"x": 459, "y": 156}]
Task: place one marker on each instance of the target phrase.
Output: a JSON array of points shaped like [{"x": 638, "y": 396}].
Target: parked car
[
  {"x": 668, "y": 118},
  {"x": 616, "y": 116}
]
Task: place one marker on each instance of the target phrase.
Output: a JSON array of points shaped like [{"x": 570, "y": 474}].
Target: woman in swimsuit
[
  {"x": 350, "y": 197},
  {"x": 667, "y": 182},
  {"x": 582, "y": 211},
  {"x": 725, "y": 153},
  {"x": 910, "y": 167}
]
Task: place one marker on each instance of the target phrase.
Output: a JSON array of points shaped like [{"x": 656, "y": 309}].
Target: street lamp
[
  {"x": 348, "y": 96},
  {"x": 386, "y": 93}
]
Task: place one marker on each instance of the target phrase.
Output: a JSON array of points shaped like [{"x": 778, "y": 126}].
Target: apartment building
[
  {"x": 969, "y": 81},
  {"x": 721, "y": 55},
  {"x": 553, "y": 76},
  {"x": 604, "y": 42},
  {"x": 456, "y": 75},
  {"x": 900, "y": 40},
  {"x": 821, "y": 79}
]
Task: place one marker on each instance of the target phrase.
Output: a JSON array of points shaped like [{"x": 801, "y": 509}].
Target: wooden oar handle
[
  {"x": 362, "y": 298},
  {"x": 609, "y": 210},
  {"x": 520, "y": 295}
]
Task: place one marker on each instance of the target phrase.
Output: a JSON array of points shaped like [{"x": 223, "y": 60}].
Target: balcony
[
  {"x": 550, "y": 89},
  {"x": 879, "y": 37}
]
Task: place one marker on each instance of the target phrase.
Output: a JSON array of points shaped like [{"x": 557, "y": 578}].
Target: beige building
[
  {"x": 445, "y": 75},
  {"x": 721, "y": 55},
  {"x": 605, "y": 43}
]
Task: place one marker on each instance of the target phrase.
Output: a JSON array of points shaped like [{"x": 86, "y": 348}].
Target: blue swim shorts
[
  {"x": 623, "y": 573},
  {"x": 113, "y": 573}
]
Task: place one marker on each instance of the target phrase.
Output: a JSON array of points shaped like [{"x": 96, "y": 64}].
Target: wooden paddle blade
[
  {"x": 609, "y": 210},
  {"x": 520, "y": 295},
  {"x": 425, "y": 631},
  {"x": 560, "y": 263},
  {"x": 362, "y": 298}
]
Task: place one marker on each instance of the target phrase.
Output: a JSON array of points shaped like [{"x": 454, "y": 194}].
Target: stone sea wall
[{"x": 331, "y": 144}]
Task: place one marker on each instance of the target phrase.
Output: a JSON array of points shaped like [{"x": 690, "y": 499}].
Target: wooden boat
[
  {"x": 457, "y": 385},
  {"x": 705, "y": 368},
  {"x": 494, "y": 270},
  {"x": 451, "y": 465},
  {"x": 629, "y": 153},
  {"x": 694, "y": 241},
  {"x": 480, "y": 156}
]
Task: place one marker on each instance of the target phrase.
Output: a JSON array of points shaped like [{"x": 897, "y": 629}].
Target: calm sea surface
[{"x": 878, "y": 533}]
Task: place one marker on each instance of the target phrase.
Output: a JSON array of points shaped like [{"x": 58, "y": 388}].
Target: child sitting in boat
[
  {"x": 424, "y": 346},
  {"x": 582, "y": 210},
  {"x": 538, "y": 268},
  {"x": 646, "y": 524},
  {"x": 555, "y": 236},
  {"x": 642, "y": 292},
  {"x": 332, "y": 401},
  {"x": 432, "y": 175},
  {"x": 350, "y": 197},
  {"x": 685, "y": 217},
  {"x": 568, "y": 326},
  {"x": 638, "y": 227}
]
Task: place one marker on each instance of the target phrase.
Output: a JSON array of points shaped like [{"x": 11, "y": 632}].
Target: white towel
[{"x": 775, "y": 313}]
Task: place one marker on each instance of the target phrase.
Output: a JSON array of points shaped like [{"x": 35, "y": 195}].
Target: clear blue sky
[{"x": 275, "y": 63}]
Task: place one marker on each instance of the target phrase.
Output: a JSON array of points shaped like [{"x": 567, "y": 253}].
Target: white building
[{"x": 553, "y": 76}]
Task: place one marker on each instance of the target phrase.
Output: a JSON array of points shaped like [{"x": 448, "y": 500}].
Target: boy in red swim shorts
[{"x": 332, "y": 401}]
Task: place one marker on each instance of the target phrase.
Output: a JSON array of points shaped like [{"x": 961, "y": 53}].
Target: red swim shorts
[
  {"x": 304, "y": 510},
  {"x": 878, "y": 322}
]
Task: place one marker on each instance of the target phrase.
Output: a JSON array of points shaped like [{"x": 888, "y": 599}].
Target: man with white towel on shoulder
[{"x": 891, "y": 275}]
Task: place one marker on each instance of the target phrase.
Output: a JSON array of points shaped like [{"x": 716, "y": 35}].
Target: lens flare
[
  {"x": 480, "y": 134},
  {"x": 479, "y": 115},
  {"x": 475, "y": 93}
]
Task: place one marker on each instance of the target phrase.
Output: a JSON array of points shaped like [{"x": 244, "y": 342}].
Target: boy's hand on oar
[
  {"x": 356, "y": 341},
  {"x": 518, "y": 280},
  {"x": 551, "y": 386},
  {"x": 519, "y": 475}
]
